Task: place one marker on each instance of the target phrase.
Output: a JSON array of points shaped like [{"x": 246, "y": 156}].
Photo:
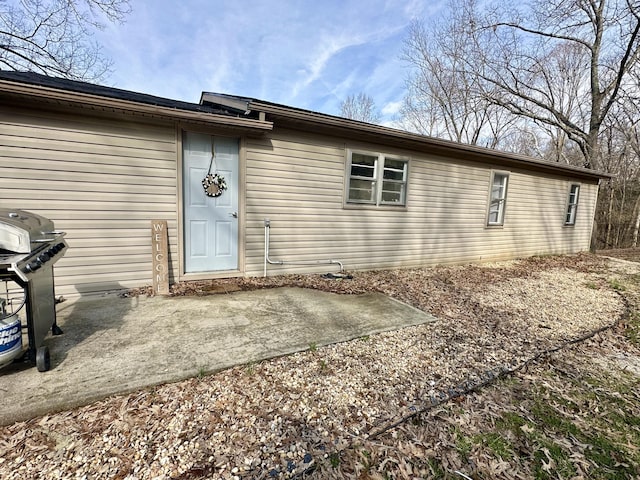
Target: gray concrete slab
[{"x": 116, "y": 345}]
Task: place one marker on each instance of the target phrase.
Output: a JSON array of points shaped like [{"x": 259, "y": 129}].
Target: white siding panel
[
  {"x": 102, "y": 181},
  {"x": 299, "y": 185}
]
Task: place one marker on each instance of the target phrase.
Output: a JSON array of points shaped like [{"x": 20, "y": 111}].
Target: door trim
[{"x": 183, "y": 276}]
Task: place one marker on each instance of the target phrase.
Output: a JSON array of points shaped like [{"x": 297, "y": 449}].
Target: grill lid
[{"x": 22, "y": 231}]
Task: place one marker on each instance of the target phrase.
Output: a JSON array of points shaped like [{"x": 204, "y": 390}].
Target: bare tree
[
  {"x": 561, "y": 63},
  {"x": 624, "y": 125},
  {"x": 569, "y": 70},
  {"x": 53, "y": 37},
  {"x": 443, "y": 97},
  {"x": 359, "y": 107}
]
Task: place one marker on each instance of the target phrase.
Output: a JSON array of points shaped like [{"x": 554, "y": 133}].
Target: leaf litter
[{"x": 360, "y": 409}]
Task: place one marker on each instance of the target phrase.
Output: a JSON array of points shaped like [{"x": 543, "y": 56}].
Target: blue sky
[{"x": 308, "y": 54}]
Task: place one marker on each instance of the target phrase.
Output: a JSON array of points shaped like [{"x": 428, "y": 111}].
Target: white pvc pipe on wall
[{"x": 267, "y": 260}]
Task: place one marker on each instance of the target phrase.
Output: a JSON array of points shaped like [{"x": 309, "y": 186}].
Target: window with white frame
[
  {"x": 498, "y": 198},
  {"x": 376, "y": 179},
  {"x": 572, "y": 205}
]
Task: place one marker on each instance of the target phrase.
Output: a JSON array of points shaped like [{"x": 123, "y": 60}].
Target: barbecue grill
[{"x": 29, "y": 247}]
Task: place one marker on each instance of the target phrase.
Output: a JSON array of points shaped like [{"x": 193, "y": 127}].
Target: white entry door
[{"x": 210, "y": 223}]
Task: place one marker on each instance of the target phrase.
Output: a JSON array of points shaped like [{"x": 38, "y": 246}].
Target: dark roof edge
[
  {"x": 233, "y": 111},
  {"x": 33, "y": 78},
  {"x": 444, "y": 147},
  {"x": 41, "y": 86}
]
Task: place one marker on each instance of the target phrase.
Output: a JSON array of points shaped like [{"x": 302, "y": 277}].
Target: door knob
[{"x": 234, "y": 214}]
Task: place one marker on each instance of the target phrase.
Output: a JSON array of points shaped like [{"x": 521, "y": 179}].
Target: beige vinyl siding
[
  {"x": 297, "y": 181},
  {"x": 100, "y": 180},
  {"x": 104, "y": 179}
]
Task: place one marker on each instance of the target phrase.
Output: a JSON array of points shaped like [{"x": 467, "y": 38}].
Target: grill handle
[{"x": 57, "y": 234}]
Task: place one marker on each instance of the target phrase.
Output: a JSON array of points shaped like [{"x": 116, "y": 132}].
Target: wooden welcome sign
[{"x": 160, "y": 251}]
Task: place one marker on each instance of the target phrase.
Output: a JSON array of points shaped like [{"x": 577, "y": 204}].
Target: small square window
[
  {"x": 572, "y": 205},
  {"x": 498, "y": 198},
  {"x": 376, "y": 179}
]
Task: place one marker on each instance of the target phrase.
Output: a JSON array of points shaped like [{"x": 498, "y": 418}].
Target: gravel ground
[{"x": 284, "y": 417}]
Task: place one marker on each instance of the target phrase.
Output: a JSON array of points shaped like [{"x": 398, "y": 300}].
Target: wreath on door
[{"x": 214, "y": 184}]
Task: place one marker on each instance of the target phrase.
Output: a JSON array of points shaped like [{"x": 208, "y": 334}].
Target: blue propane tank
[{"x": 10, "y": 338}]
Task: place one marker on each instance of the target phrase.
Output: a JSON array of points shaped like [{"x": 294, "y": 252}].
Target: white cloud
[
  {"x": 389, "y": 124},
  {"x": 329, "y": 48},
  {"x": 304, "y": 54},
  {"x": 391, "y": 108}
]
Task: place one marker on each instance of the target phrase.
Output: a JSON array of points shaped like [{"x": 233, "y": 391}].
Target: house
[{"x": 326, "y": 191}]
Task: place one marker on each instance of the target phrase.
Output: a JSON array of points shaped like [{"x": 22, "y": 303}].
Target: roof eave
[
  {"x": 434, "y": 145},
  {"x": 38, "y": 91}
]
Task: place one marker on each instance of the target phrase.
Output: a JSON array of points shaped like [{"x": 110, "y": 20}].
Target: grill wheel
[{"x": 43, "y": 359}]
